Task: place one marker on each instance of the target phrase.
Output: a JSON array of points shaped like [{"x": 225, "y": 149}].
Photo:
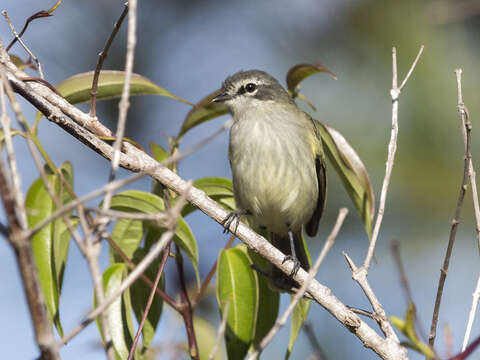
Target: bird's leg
[
  {"x": 233, "y": 216},
  {"x": 293, "y": 256}
]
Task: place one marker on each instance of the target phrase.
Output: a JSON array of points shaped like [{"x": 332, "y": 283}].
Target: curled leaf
[
  {"x": 204, "y": 110},
  {"x": 352, "y": 172},
  {"x": 297, "y": 73}
]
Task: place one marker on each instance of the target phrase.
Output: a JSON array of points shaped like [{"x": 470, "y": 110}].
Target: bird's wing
[{"x": 320, "y": 165}]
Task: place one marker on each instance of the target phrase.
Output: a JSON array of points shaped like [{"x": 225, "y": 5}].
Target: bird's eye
[{"x": 250, "y": 87}]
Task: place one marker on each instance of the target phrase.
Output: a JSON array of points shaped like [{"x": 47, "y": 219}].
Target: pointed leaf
[
  {"x": 119, "y": 313},
  {"x": 407, "y": 327},
  {"x": 352, "y": 172},
  {"x": 237, "y": 284},
  {"x": 299, "y": 316},
  {"x": 50, "y": 244},
  {"x": 204, "y": 110},
  {"x": 76, "y": 89},
  {"x": 140, "y": 293},
  {"x": 297, "y": 73},
  {"x": 158, "y": 152}
]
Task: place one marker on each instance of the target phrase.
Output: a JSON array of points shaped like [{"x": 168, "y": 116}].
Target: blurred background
[{"x": 189, "y": 47}]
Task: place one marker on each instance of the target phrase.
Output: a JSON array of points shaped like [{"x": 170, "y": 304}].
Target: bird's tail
[{"x": 282, "y": 243}]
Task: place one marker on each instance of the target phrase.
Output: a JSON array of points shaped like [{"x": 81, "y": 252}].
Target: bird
[{"x": 278, "y": 165}]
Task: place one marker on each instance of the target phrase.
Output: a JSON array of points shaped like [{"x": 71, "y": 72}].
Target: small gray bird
[{"x": 277, "y": 161}]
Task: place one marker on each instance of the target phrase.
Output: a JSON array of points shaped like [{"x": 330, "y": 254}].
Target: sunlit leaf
[
  {"x": 140, "y": 292},
  {"x": 299, "y": 316},
  {"x": 204, "y": 110},
  {"x": 206, "y": 336},
  {"x": 76, "y": 89},
  {"x": 352, "y": 172},
  {"x": 407, "y": 327},
  {"x": 158, "y": 152},
  {"x": 127, "y": 234},
  {"x": 237, "y": 284},
  {"x": 297, "y": 73},
  {"x": 119, "y": 313},
  {"x": 218, "y": 188},
  {"x": 50, "y": 244},
  {"x": 141, "y": 201}
]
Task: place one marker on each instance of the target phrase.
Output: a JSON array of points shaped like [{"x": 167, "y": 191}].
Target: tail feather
[{"x": 282, "y": 243}]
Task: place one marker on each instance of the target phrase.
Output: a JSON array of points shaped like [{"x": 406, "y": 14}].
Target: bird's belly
[{"x": 276, "y": 181}]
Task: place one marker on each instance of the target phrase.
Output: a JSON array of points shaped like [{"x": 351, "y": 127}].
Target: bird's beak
[{"x": 221, "y": 97}]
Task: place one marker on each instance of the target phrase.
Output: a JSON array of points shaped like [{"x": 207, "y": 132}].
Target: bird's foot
[
  {"x": 296, "y": 264},
  {"x": 231, "y": 217}
]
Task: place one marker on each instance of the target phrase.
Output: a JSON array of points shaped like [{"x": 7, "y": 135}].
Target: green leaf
[
  {"x": 119, "y": 313},
  {"x": 407, "y": 327},
  {"x": 184, "y": 238},
  {"x": 137, "y": 201},
  {"x": 268, "y": 300},
  {"x": 158, "y": 152},
  {"x": 352, "y": 172},
  {"x": 206, "y": 336},
  {"x": 127, "y": 234},
  {"x": 50, "y": 244},
  {"x": 299, "y": 316},
  {"x": 237, "y": 284},
  {"x": 141, "y": 201},
  {"x": 297, "y": 73},
  {"x": 76, "y": 89},
  {"x": 218, "y": 188},
  {"x": 140, "y": 293},
  {"x": 204, "y": 110}
]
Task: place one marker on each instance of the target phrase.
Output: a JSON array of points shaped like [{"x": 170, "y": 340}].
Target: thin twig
[
  {"x": 221, "y": 331},
  {"x": 317, "y": 348},
  {"x": 471, "y": 315},
  {"x": 392, "y": 147},
  {"x": 209, "y": 277},
  {"x": 150, "y": 300},
  {"x": 101, "y": 58},
  {"x": 57, "y": 109},
  {"x": 19, "y": 39},
  {"x": 456, "y": 219},
  {"x": 129, "y": 280},
  {"x": 281, "y": 320}
]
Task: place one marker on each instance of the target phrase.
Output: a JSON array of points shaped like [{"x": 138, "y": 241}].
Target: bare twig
[
  {"x": 150, "y": 300},
  {"x": 401, "y": 269},
  {"x": 57, "y": 109},
  {"x": 221, "y": 331},
  {"x": 16, "y": 216},
  {"x": 124, "y": 100},
  {"x": 318, "y": 351},
  {"x": 101, "y": 58},
  {"x": 392, "y": 147},
  {"x": 281, "y": 320},
  {"x": 453, "y": 230},
  {"x": 129, "y": 280},
  {"x": 19, "y": 39}
]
